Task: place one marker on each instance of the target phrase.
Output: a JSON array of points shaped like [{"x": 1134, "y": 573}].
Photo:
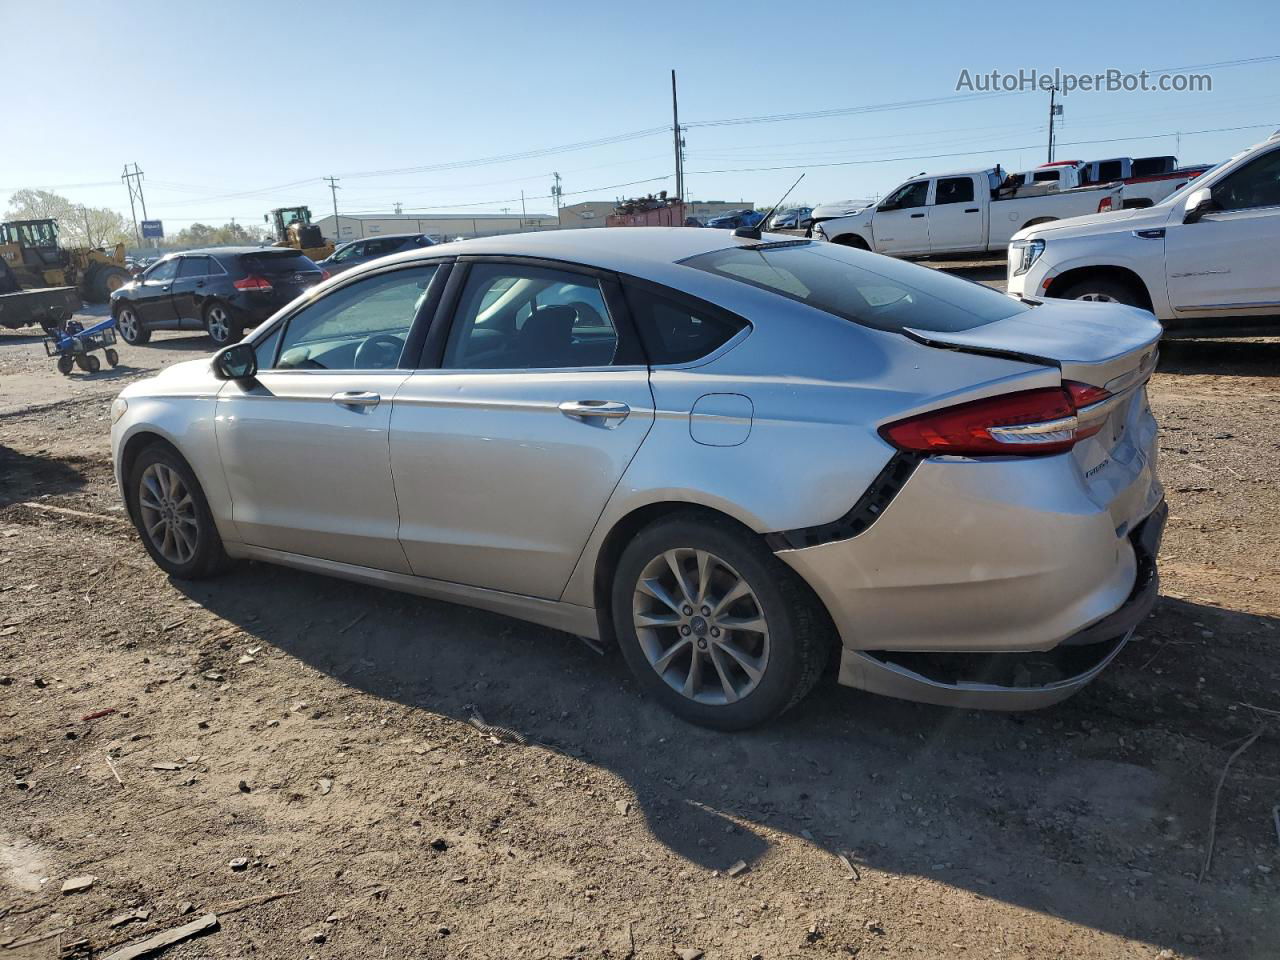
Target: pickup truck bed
[{"x": 45, "y": 307}]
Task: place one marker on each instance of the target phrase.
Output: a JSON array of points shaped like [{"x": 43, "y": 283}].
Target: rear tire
[
  {"x": 1102, "y": 290},
  {"x": 129, "y": 324},
  {"x": 169, "y": 510},
  {"x": 758, "y": 654},
  {"x": 222, "y": 324}
]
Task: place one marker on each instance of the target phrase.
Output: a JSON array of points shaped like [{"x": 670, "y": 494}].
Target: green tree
[
  {"x": 204, "y": 235},
  {"x": 78, "y": 225}
]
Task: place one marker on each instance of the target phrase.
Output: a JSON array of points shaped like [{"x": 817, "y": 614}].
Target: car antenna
[{"x": 753, "y": 233}]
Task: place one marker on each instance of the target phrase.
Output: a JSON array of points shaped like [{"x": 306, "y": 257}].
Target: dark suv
[
  {"x": 370, "y": 248},
  {"x": 224, "y": 291}
]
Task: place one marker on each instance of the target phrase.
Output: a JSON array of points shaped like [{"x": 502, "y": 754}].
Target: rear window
[
  {"x": 284, "y": 262},
  {"x": 871, "y": 290}
]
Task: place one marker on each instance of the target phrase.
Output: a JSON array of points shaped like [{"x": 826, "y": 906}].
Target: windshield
[
  {"x": 871, "y": 290},
  {"x": 1196, "y": 182}
]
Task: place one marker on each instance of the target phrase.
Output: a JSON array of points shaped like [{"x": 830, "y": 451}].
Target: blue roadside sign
[{"x": 153, "y": 229}]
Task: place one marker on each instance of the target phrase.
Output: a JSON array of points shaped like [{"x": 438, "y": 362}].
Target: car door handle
[
  {"x": 916, "y": 216},
  {"x": 610, "y": 412},
  {"x": 356, "y": 398},
  {"x": 971, "y": 210}
]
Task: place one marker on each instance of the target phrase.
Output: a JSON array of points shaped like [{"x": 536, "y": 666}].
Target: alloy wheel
[
  {"x": 168, "y": 513},
  {"x": 1098, "y": 298},
  {"x": 219, "y": 324},
  {"x": 127, "y": 321},
  {"x": 701, "y": 626}
]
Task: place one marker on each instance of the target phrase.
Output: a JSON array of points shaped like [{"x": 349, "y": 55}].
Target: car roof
[
  {"x": 231, "y": 251},
  {"x": 652, "y": 253}
]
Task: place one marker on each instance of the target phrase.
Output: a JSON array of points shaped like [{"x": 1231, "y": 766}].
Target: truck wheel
[
  {"x": 852, "y": 240},
  {"x": 1102, "y": 290},
  {"x": 65, "y": 363},
  {"x": 107, "y": 279}
]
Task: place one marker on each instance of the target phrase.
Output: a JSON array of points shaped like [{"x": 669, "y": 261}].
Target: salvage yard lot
[{"x": 423, "y": 780}]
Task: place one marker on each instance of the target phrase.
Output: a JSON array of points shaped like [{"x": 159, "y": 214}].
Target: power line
[
  {"x": 545, "y": 196},
  {"x": 970, "y": 153}
]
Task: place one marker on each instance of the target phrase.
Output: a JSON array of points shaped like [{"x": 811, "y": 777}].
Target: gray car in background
[
  {"x": 734, "y": 458},
  {"x": 356, "y": 252}
]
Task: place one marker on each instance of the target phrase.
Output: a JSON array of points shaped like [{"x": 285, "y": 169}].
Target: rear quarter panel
[{"x": 819, "y": 387}]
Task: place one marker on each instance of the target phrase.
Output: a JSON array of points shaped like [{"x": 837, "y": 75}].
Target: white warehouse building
[{"x": 447, "y": 226}]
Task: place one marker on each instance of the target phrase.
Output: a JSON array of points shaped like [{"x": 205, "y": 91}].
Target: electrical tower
[
  {"x": 133, "y": 181},
  {"x": 1055, "y": 110},
  {"x": 557, "y": 193}
]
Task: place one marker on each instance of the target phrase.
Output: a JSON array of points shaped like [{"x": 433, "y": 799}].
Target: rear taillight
[
  {"x": 1104, "y": 205},
  {"x": 254, "y": 282},
  {"x": 1026, "y": 423}
]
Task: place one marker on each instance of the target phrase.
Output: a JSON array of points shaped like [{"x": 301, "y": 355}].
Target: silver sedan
[{"x": 738, "y": 459}]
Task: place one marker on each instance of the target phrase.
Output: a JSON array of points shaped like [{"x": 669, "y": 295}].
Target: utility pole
[
  {"x": 524, "y": 214},
  {"x": 1055, "y": 110},
  {"x": 678, "y": 140},
  {"x": 398, "y": 206},
  {"x": 557, "y": 193},
  {"x": 333, "y": 189},
  {"x": 133, "y": 182}
]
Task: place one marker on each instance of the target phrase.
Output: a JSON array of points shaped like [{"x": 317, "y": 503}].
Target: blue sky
[{"x": 233, "y": 107}]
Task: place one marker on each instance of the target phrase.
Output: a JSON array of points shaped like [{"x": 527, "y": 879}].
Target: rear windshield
[
  {"x": 871, "y": 290},
  {"x": 286, "y": 261}
]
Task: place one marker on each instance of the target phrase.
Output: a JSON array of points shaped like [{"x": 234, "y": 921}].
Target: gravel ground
[{"x": 275, "y": 732}]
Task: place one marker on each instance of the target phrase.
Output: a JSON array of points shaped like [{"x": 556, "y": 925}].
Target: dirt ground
[{"x": 274, "y": 732}]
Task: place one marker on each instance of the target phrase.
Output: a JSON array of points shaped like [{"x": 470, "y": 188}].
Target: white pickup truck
[
  {"x": 958, "y": 213},
  {"x": 1203, "y": 260},
  {"x": 1146, "y": 180}
]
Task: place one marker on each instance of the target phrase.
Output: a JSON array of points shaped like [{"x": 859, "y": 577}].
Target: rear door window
[
  {"x": 954, "y": 190},
  {"x": 193, "y": 267},
  {"x": 518, "y": 317},
  {"x": 874, "y": 291}
]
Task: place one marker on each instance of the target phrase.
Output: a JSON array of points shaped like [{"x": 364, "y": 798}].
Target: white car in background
[
  {"x": 1203, "y": 260},
  {"x": 835, "y": 209}
]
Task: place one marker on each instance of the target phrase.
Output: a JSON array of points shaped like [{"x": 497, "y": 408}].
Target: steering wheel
[{"x": 379, "y": 352}]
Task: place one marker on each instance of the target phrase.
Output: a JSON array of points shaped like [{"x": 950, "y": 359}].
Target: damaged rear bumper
[{"x": 1016, "y": 681}]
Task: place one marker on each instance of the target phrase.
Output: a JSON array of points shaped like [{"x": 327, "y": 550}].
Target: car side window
[
  {"x": 1256, "y": 184},
  {"x": 954, "y": 190},
  {"x": 515, "y": 317},
  {"x": 193, "y": 267},
  {"x": 910, "y": 195},
  {"x": 674, "y": 331},
  {"x": 359, "y": 326},
  {"x": 164, "y": 270}
]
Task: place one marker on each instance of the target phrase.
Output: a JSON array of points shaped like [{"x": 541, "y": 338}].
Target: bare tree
[{"x": 78, "y": 225}]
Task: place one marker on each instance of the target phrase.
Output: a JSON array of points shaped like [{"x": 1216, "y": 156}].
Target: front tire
[
  {"x": 130, "y": 326},
  {"x": 713, "y": 625},
  {"x": 1102, "y": 290},
  {"x": 172, "y": 516},
  {"x": 222, "y": 325}
]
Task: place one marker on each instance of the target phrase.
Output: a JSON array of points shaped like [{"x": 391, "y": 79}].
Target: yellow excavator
[
  {"x": 293, "y": 228},
  {"x": 31, "y": 251}
]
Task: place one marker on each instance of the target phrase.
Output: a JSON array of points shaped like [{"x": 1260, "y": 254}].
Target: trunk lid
[{"x": 1103, "y": 345}]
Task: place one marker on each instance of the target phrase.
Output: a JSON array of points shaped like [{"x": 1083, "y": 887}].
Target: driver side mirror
[
  {"x": 236, "y": 362},
  {"x": 1199, "y": 203}
]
